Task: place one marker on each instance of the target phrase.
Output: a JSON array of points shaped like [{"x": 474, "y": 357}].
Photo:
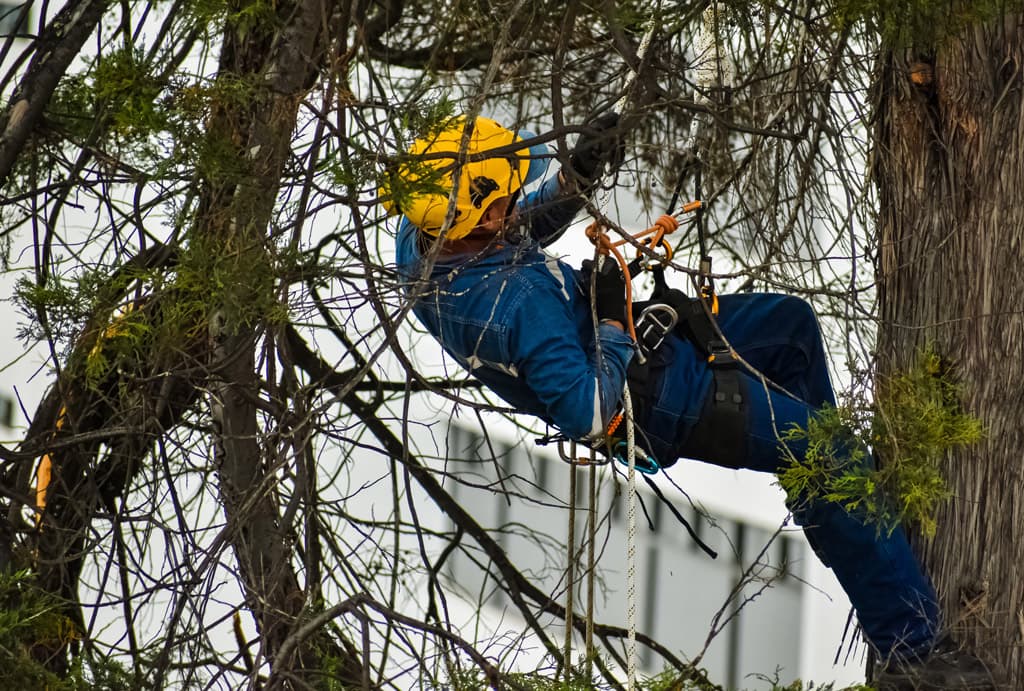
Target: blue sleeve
[
  {"x": 550, "y": 211},
  {"x": 407, "y": 253},
  {"x": 579, "y": 396}
]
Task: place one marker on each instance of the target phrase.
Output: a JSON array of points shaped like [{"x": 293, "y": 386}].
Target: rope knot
[
  {"x": 598, "y": 237},
  {"x": 667, "y": 223}
]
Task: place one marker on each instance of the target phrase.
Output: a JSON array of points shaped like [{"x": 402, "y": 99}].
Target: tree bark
[{"x": 949, "y": 165}]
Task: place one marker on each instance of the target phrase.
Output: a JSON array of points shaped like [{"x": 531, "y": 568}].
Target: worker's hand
[
  {"x": 609, "y": 289},
  {"x": 598, "y": 147}
]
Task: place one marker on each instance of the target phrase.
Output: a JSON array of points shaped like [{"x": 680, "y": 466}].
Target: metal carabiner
[
  {"x": 642, "y": 461},
  {"x": 572, "y": 459},
  {"x": 654, "y": 324}
]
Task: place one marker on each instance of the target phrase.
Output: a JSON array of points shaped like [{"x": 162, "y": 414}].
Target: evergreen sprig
[{"x": 914, "y": 422}]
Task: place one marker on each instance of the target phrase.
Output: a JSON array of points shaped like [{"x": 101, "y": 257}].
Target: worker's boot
[{"x": 946, "y": 667}]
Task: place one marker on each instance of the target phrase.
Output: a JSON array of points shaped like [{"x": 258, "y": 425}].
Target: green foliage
[
  {"x": 352, "y": 170},
  {"x": 919, "y": 23},
  {"x": 156, "y": 121},
  {"x": 669, "y": 680},
  {"x": 120, "y": 97},
  {"x": 72, "y": 107},
  {"x": 213, "y": 158},
  {"x": 798, "y": 685},
  {"x": 56, "y": 298},
  {"x": 126, "y": 338},
  {"x": 124, "y": 335},
  {"x": 240, "y": 285},
  {"x": 139, "y": 114},
  {"x": 125, "y": 88},
  {"x": 915, "y": 420},
  {"x": 247, "y": 15},
  {"x": 403, "y": 177},
  {"x": 672, "y": 680},
  {"x": 429, "y": 118},
  {"x": 30, "y": 617},
  {"x": 67, "y": 303},
  {"x": 205, "y": 13}
]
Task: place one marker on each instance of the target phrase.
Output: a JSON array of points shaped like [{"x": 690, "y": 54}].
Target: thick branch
[{"x": 58, "y": 45}]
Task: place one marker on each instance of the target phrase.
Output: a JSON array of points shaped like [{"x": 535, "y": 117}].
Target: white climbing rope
[
  {"x": 570, "y": 572},
  {"x": 631, "y": 657},
  {"x": 591, "y": 560},
  {"x": 627, "y": 406},
  {"x": 641, "y": 54}
]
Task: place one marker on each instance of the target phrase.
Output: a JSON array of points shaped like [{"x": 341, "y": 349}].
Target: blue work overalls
[
  {"x": 520, "y": 321},
  {"x": 779, "y": 336}
]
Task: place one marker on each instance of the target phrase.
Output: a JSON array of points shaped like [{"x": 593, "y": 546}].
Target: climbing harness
[{"x": 668, "y": 311}]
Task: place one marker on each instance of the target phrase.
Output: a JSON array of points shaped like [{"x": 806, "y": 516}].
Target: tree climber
[{"x": 520, "y": 321}]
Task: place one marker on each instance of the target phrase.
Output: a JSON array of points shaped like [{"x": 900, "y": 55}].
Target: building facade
[{"x": 742, "y": 612}]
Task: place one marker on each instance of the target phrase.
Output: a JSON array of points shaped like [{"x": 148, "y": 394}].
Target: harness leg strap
[{"x": 720, "y": 435}]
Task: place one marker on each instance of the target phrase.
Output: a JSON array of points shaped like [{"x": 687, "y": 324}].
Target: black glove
[
  {"x": 598, "y": 146},
  {"x": 609, "y": 289}
]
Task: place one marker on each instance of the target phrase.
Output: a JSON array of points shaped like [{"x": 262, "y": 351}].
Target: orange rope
[
  {"x": 605, "y": 247},
  {"x": 665, "y": 225}
]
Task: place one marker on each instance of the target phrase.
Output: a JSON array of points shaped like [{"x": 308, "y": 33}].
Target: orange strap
[{"x": 44, "y": 473}]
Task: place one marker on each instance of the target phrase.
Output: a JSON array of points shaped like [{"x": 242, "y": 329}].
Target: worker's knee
[{"x": 798, "y": 317}]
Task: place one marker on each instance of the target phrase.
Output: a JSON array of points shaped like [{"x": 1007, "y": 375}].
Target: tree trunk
[
  {"x": 949, "y": 164},
  {"x": 278, "y": 58}
]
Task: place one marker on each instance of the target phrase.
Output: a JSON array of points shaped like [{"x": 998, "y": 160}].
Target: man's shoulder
[{"x": 548, "y": 272}]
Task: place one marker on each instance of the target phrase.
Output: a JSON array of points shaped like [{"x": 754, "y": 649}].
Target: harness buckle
[
  {"x": 654, "y": 324},
  {"x": 720, "y": 354}
]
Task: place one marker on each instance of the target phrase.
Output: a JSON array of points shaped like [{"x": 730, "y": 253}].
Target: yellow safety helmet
[{"x": 481, "y": 182}]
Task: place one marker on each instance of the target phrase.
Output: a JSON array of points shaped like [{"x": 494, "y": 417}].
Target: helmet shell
[{"x": 481, "y": 182}]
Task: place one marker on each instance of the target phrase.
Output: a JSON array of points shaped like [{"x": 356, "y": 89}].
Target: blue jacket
[{"x": 519, "y": 320}]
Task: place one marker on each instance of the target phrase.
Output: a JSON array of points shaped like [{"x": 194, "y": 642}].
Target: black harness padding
[
  {"x": 638, "y": 379},
  {"x": 720, "y": 433}
]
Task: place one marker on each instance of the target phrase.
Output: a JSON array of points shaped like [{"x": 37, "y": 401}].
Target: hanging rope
[
  {"x": 591, "y": 561},
  {"x": 570, "y": 574},
  {"x": 627, "y": 404},
  {"x": 664, "y": 226},
  {"x": 713, "y": 76},
  {"x": 654, "y": 238},
  {"x": 571, "y": 556}
]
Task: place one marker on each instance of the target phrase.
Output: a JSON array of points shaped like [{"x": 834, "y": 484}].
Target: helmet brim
[{"x": 539, "y": 157}]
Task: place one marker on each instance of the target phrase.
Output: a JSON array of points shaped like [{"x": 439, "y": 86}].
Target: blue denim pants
[{"x": 779, "y": 335}]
